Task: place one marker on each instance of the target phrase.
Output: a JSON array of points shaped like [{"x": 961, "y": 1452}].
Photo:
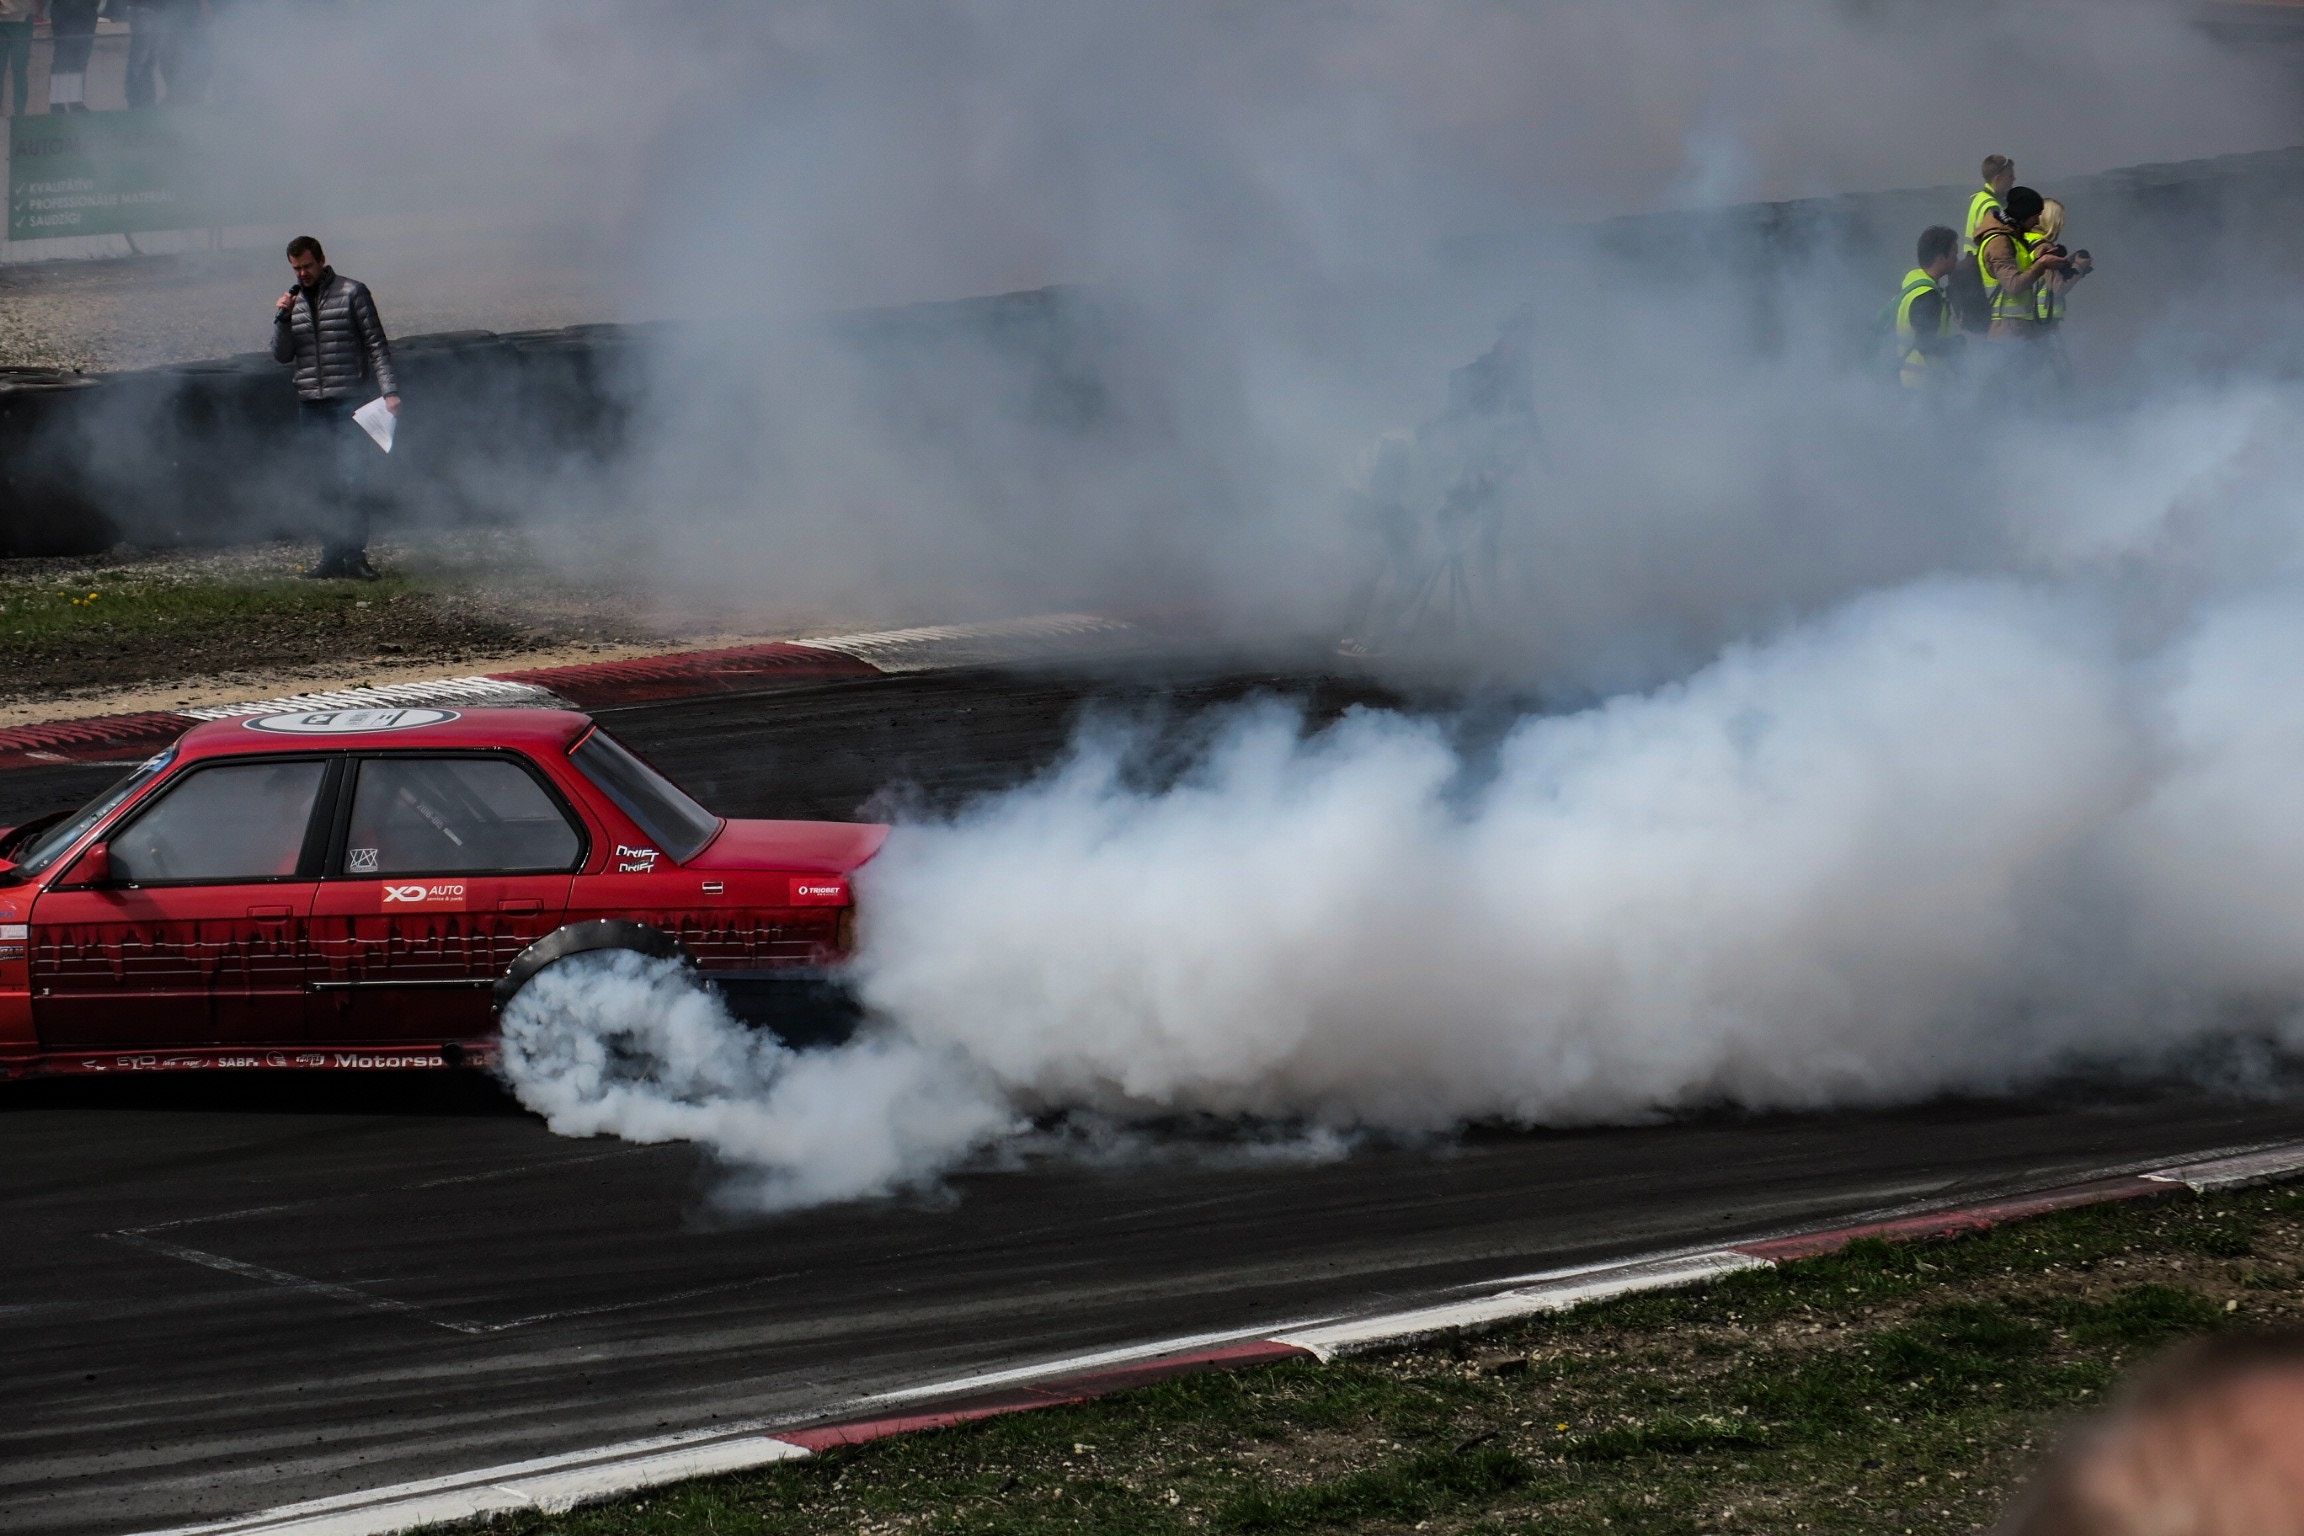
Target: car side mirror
[{"x": 94, "y": 867}]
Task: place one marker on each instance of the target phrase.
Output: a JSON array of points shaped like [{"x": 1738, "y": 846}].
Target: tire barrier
[{"x": 205, "y": 453}]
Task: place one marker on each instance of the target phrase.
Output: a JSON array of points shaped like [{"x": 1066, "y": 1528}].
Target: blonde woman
[
  {"x": 2048, "y": 294},
  {"x": 2048, "y": 235}
]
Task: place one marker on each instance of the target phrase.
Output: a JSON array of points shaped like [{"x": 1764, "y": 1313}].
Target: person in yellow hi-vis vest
[
  {"x": 1999, "y": 176},
  {"x": 1925, "y": 339},
  {"x": 2011, "y": 269},
  {"x": 1971, "y": 310}
]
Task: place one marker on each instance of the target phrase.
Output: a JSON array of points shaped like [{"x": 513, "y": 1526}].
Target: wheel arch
[{"x": 584, "y": 938}]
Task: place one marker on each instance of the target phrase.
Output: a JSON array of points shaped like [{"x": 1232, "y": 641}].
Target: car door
[
  {"x": 198, "y": 938},
  {"x": 444, "y": 867}
]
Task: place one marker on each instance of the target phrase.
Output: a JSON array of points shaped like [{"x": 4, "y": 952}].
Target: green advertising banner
[{"x": 113, "y": 173}]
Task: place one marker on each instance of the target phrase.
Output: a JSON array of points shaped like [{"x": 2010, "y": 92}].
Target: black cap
[{"x": 2021, "y": 203}]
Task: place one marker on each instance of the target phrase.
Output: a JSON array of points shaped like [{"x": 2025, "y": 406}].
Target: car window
[
  {"x": 43, "y": 850},
  {"x": 659, "y": 807},
  {"x": 454, "y": 815},
  {"x": 236, "y": 821}
]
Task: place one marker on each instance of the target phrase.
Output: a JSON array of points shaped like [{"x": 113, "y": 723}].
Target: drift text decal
[
  {"x": 347, "y": 722},
  {"x": 635, "y": 861}
]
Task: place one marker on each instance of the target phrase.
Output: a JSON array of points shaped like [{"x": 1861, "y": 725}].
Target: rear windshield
[
  {"x": 44, "y": 848},
  {"x": 676, "y": 824}
]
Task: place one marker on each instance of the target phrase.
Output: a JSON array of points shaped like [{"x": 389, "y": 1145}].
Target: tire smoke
[
  {"x": 1961, "y": 836},
  {"x": 628, "y": 1045}
]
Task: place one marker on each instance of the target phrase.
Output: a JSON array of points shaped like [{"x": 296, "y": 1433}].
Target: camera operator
[
  {"x": 2046, "y": 239},
  {"x": 2048, "y": 293},
  {"x": 2013, "y": 269}
]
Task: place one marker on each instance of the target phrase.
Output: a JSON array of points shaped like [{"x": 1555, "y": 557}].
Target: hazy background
[
  {"x": 1283, "y": 225},
  {"x": 1885, "y": 751}
]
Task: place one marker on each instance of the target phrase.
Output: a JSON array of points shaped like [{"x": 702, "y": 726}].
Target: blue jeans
[{"x": 337, "y": 457}]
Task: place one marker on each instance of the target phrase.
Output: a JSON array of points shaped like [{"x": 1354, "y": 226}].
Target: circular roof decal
[{"x": 351, "y": 722}]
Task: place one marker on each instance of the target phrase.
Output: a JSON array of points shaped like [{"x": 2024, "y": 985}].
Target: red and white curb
[
  {"x": 558, "y": 1482},
  {"x": 633, "y": 680}
]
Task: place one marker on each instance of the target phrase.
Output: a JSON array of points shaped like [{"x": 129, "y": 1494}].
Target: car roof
[{"x": 364, "y": 729}]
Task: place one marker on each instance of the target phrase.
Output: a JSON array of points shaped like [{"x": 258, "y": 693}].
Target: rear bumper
[{"x": 800, "y": 1007}]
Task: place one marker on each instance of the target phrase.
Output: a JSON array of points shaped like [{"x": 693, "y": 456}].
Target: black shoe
[{"x": 358, "y": 569}]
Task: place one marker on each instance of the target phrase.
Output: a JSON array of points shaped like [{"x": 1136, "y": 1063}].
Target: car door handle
[
  {"x": 523, "y": 904},
  {"x": 271, "y": 914}
]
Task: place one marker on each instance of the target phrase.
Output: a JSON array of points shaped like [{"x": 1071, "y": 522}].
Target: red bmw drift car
[{"x": 364, "y": 888}]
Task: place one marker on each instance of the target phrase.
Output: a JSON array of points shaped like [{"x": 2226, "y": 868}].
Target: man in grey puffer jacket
[{"x": 327, "y": 327}]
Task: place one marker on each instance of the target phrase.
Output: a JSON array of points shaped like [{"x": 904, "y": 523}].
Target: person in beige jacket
[{"x": 2011, "y": 268}]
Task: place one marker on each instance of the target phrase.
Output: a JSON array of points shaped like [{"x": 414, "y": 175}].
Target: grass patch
[
  {"x": 70, "y": 626},
  {"x": 36, "y": 617},
  {"x": 1880, "y": 1389}
]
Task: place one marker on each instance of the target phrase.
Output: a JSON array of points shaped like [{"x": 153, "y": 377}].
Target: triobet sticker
[
  {"x": 425, "y": 894},
  {"x": 351, "y": 722},
  {"x": 819, "y": 891}
]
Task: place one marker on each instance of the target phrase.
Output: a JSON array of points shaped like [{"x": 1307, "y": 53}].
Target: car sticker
[
  {"x": 362, "y": 861},
  {"x": 819, "y": 892},
  {"x": 300, "y": 1061},
  {"x": 435, "y": 894},
  {"x": 349, "y": 722},
  {"x": 636, "y": 861}
]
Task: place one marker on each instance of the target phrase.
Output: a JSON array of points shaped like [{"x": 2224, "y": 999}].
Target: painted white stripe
[
  {"x": 1073, "y": 1365},
  {"x": 547, "y": 1483},
  {"x": 936, "y": 647},
  {"x": 280, "y": 1279},
  {"x": 1344, "y": 1338},
  {"x": 2259, "y": 1167},
  {"x": 438, "y": 690}
]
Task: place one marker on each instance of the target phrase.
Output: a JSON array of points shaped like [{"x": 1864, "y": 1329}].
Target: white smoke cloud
[
  {"x": 1892, "y": 753},
  {"x": 628, "y": 1045},
  {"x": 1953, "y": 836}
]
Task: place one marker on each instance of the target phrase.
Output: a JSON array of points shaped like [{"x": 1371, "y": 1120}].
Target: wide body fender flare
[{"x": 582, "y": 938}]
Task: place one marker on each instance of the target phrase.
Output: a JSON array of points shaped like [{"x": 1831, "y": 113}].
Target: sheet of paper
[{"x": 377, "y": 422}]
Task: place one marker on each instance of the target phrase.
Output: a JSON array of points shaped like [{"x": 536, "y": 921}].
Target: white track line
[
  {"x": 938, "y": 647},
  {"x": 303, "y": 1285},
  {"x": 1074, "y": 1365},
  {"x": 2261, "y": 1167},
  {"x": 282, "y": 1280},
  {"x": 1333, "y": 1339},
  {"x": 546, "y": 1483}
]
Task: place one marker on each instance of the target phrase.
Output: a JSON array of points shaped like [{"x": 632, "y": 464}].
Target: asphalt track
[{"x": 224, "y": 1295}]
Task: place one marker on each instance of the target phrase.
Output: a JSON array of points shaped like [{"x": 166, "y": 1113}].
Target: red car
[{"x": 367, "y": 888}]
